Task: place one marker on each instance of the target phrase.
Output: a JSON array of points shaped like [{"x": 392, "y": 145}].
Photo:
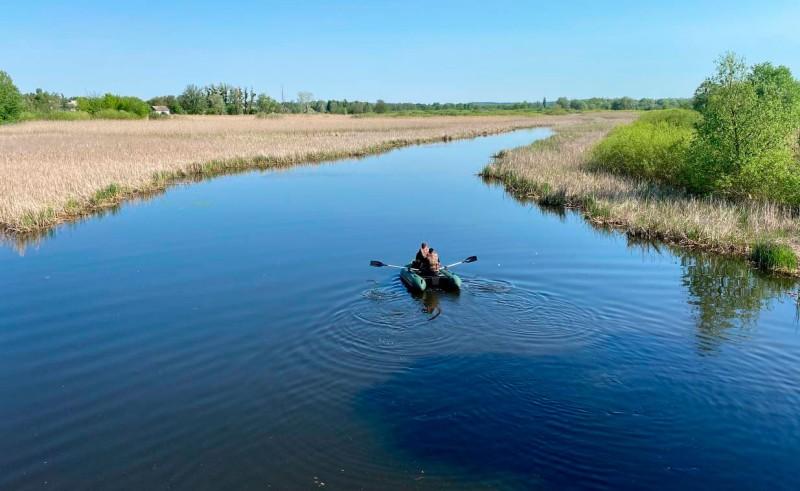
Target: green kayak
[{"x": 416, "y": 281}]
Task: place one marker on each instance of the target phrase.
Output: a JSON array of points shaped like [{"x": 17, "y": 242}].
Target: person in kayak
[
  {"x": 422, "y": 253},
  {"x": 431, "y": 264}
]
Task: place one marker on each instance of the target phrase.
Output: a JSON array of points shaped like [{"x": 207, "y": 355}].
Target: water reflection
[
  {"x": 21, "y": 242},
  {"x": 431, "y": 301},
  {"x": 726, "y": 294}
]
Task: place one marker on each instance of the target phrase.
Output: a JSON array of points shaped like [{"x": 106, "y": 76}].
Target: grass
[
  {"x": 558, "y": 171},
  {"x": 774, "y": 257},
  {"x": 56, "y": 116},
  {"x": 77, "y": 115},
  {"x": 57, "y": 171}
]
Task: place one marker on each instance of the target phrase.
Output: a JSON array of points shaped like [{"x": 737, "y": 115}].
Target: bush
[
  {"x": 110, "y": 102},
  {"x": 774, "y": 175},
  {"x": 55, "y": 116},
  {"x": 555, "y": 111},
  {"x": 682, "y": 118},
  {"x": 771, "y": 256},
  {"x": 651, "y": 150},
  {"x": 10, "y": 99},
  {"x": 115, "y": 114}
]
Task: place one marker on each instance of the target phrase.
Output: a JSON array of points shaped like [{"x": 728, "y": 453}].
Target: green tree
[
  {"x": 623, "y": 103},
  {"x": 193, "y": 100},
  {"x": 380, "y": 106},
  {"x": 236, "y": 101},
  {"x": 266, "y": 104},
  {"x": 43, "y": 102},
  {"x": 646, "y": 104},
  {"x": 577, "y": 105},
  {"x": 10, "y": 99},
  {"x": 216, "y": 104},
  {"x": 744, "y": 140}
]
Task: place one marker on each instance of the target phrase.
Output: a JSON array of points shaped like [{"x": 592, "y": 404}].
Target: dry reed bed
[
  {"x": 554, "y": 172},
  {"x": 53, "y": 171}
]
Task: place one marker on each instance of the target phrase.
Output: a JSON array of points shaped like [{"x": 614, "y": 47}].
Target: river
[{"x": 229, "y": 334}]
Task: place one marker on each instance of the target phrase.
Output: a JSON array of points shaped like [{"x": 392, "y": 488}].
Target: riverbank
[
  {"x": 556, "y": 172},
  {"x": 54, "y": 171}
]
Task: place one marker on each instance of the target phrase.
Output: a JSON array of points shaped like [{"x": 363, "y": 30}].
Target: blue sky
[{"x": 396, "y": 50}]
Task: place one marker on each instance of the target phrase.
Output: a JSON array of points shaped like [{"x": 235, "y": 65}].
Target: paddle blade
[
  {"x": 376, "y": 264},
  {"x": 471, "y": 259}
]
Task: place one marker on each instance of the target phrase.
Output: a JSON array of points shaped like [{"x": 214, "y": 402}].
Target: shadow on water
[{"x": 562, "y": 423}]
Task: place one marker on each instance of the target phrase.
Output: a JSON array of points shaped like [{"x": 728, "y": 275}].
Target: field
[
  {"x": 558, "y": 172},
  {"x": 55, "y": 171}
]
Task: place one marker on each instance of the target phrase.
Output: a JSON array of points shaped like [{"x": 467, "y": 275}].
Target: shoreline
[
  {"x": 36, "y": 224},
  {"x": 639, "y": 209},
  {"x": 105, "y": 164}
]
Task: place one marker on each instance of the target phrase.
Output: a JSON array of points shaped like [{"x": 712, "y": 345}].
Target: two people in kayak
[{"x": 427, "y": 260}]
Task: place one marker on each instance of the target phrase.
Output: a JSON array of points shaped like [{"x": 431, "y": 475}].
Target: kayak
[{"x": 417, "y": 281}]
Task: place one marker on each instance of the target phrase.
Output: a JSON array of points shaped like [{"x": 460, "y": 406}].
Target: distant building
[{"x": 160, "y": 109}]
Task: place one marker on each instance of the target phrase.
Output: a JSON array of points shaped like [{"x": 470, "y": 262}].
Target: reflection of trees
[{"x": 726, "y": 293}]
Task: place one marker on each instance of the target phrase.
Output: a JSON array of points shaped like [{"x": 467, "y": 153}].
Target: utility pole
[{"x": 282, "y": 101}]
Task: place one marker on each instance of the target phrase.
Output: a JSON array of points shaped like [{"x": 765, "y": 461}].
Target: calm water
[{"x": 229, "y": 334}]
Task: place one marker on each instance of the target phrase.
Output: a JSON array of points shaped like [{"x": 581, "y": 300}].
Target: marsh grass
[
  {"x": 54, "y": 171},
  {"x": 774, "y": 257},
  {"x": 556, "y": 171}
]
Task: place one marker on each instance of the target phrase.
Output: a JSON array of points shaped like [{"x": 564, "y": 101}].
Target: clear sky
[{"x": 425, "y": 51}]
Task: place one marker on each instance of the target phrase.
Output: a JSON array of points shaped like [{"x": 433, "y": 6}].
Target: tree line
[{"x": 230, "y": 99}]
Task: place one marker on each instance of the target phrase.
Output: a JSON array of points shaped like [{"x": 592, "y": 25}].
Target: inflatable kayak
[{"x": 416, "y": 281}]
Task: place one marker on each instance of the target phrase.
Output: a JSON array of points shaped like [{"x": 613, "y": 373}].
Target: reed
[
  {"x": 55, "y": 171},
  {"x": 557, "y": 171}
]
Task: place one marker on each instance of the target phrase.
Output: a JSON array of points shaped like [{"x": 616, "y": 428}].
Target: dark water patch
[{"x": 576, "y": 423}]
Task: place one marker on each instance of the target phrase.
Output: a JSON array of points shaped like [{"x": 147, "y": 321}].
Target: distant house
[{"x": 160, "y": 109}]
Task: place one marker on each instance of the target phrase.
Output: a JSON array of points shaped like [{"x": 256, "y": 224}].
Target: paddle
[
  {"x": 470, "y": 259},
  {"x": 379, "y": 264}
]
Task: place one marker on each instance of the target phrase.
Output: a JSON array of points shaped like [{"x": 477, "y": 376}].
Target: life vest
[{"x": 433, "y": 262}]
